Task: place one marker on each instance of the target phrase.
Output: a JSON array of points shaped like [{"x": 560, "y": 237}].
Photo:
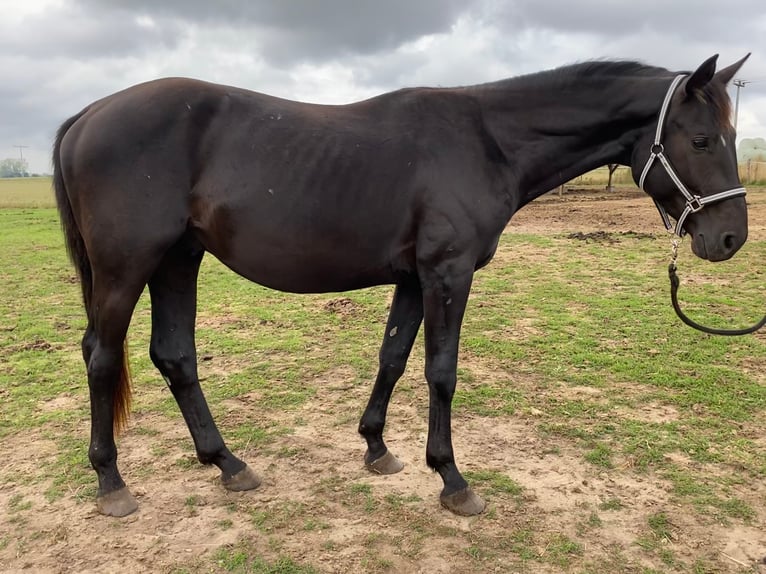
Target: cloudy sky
[{"x": 59, "y": 55}]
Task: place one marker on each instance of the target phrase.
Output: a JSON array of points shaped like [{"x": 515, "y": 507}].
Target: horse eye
[{"x": 700, "y": 142}]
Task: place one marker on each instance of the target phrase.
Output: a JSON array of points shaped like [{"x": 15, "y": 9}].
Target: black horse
[{"x": 411, "y": 188}]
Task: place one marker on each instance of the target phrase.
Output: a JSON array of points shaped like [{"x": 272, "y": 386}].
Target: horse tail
[
  {"x": 78, "y": 254},
  {"x": 75, "y": 244}
]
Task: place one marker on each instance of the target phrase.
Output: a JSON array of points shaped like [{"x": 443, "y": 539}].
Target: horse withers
[{"x": 411, "y": 188}]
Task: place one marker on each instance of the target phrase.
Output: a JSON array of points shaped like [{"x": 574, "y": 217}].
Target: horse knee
[
  {"x": 392, "y": 370},
  {"x": 392, "y": 362},
  {"x": 442, "y": 380}
]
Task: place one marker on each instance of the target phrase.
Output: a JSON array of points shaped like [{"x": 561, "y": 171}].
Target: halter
[{"x": 694, "y": 203}]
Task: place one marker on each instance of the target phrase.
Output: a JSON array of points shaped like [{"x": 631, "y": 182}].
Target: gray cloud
[
  {"x": 342, "y": 50},
  {"x": 706, "y": 20},
  {"x": 307, "y": 30},
  {"x": 77, "y": 32}
]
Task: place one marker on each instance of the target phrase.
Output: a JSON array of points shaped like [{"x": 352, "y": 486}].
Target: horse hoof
[
  {"x": 245, "y": 479},
  {"x": 386, "y": 464},
  {"x": 117, "y": 503},
  {"x": 463, "y": 502}
]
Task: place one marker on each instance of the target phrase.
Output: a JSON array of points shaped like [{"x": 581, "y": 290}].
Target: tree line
[{"x": 14, "y": 168}]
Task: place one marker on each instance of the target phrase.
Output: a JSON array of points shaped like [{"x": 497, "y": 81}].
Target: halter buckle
[
  {"x": 694, "y": 203},
  {"x": 657, "y": 149}
]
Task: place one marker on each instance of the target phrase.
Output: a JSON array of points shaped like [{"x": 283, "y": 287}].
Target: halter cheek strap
[{"x": 694, "y": 203}]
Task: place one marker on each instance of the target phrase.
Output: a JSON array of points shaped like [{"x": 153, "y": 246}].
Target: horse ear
[
  {"x": 724, "y": 76},
  {"x": 702, "y": 76}
]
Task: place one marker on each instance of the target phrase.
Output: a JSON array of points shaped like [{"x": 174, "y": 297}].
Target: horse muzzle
[{"x": 718, "y": 246}]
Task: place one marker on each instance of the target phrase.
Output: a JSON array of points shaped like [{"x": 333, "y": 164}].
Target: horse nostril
[{"x": 729, "y": 241}]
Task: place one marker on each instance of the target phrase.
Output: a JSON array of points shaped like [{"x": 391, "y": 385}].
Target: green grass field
[{"x": 574, "y": 340}]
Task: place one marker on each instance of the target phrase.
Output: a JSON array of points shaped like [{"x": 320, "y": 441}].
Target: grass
[
  {"x": 583, "y": 348},
  {"x": 493, "y": 483},
  {"x": 240, "y": 561}
]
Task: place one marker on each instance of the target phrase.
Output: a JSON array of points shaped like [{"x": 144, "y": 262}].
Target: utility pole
[
  {"x": 21, "y": 149},
  {"x": 739, "y": 84}
]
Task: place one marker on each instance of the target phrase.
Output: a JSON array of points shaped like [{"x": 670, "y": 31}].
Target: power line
[
  {"x": 21, "y": 149},
  {"x": 739, "y": 84}
]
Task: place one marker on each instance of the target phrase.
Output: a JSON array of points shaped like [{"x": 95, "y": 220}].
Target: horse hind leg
[
  {"x": 173, "y": 290},
  {"x": 404, "y": 320},
  {"x": 104, "y": 354}
]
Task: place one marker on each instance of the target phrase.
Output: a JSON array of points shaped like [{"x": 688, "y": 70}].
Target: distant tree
[
  {"x": 612, "y": 168},
  {"x": 752, "y": 149},
  {"x": 14, "y": 168}
]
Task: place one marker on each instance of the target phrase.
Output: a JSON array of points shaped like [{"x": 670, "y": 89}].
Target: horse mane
[
  {"x": 609, "y": 68},
  {"x": 573, "y": 74},
  {"x": 713, "y": 93}
]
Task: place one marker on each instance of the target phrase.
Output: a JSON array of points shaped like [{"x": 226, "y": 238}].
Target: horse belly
[
  {"x": 303, "y": 258},
  {"x": 310, "y": 271}
]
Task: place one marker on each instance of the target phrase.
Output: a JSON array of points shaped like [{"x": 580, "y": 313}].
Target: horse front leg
[
  {"x": 404, "y": 321},
  {"x": 445, "y": 295}
]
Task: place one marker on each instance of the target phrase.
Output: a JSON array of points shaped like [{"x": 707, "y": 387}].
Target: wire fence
[
  {"x": 753, "y": 172},
  {"x": 750, "y": 172}
]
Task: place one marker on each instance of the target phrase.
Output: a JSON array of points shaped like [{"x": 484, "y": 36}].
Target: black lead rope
[{"x": 674, "y": 283}]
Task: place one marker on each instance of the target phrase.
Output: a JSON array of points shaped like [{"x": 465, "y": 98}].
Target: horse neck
[{"x": 553, "y": 131}]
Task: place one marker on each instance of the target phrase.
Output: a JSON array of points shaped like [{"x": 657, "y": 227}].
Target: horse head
[{"x": 687, "y": 163}]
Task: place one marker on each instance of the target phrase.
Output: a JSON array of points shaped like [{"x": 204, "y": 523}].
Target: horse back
[{"x": 295, "y": 196}]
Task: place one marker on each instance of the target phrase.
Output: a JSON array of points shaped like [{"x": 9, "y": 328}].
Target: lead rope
[{"x": 675, "y": 282}]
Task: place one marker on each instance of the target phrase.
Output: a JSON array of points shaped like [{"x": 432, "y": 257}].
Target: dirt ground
[{"x": 310, "y": 515}]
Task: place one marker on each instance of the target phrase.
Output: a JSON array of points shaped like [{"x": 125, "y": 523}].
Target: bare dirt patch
[{"x": 343, "y": 306}]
